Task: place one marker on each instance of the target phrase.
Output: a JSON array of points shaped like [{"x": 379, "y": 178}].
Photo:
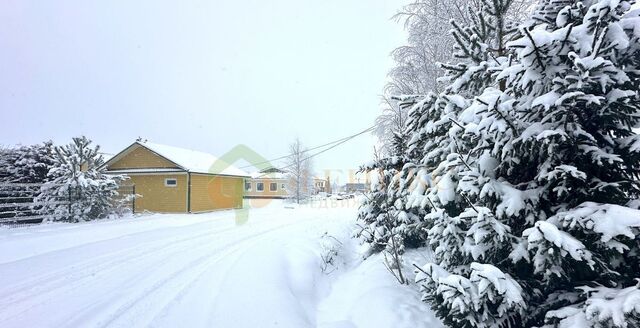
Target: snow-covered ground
[{"x": 202, "y": 270}]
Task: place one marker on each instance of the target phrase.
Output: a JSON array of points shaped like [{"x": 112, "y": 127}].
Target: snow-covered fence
[{"x": 19, "y": 204}]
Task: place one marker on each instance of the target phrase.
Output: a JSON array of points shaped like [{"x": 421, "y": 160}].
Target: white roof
[
  {"x": 144, "y": 170},
  {"x": 272, "y": 175},
  {"x": 194, "y": 161}
]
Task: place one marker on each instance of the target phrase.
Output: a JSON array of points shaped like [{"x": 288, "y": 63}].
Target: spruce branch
[
  {"x": 599, "y": 43},
  {"x": 536, "y": 49},
  {"x": 566, "y": 38},
  {"x": 497, "y": 111}
]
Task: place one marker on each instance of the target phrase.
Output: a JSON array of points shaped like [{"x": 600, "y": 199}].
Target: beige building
[
  {"x": 321, "y": 185},
  {"x": 176, "y": 180},
  {"x": 269, "y": 183},
  {"x": 273, "y": 183}
]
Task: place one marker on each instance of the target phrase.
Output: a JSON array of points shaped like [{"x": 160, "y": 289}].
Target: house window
[
  {"x": 273, "y": 186},
  {"x": 247, "y": 186},
  {"x": 283, "y": 186},
  {"x": 170, "y": 182},
  {"x": 260, "y": 186}
]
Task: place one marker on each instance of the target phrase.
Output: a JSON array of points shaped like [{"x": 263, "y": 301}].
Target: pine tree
[{"x": 78, "y": 188}]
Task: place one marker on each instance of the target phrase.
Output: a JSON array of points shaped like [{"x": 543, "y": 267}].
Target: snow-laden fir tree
[
  {"x": 574, "y": 99},
  {"x": 376, "y": 214},
  {"x": 378, "y": 218},
  {"x": 78, "y": 188},
  {"x": 467, "y": 230},
  {"x": 428, "y": 122},
  {"x": 418, "y": 62},
  {"x": 20, "y": 166},
  {"x": 26, "y": 164},
  {"x": 533, "y": 222}
]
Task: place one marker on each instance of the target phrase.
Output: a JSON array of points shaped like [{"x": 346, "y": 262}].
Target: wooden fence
[{"x": 19, "y": 204}]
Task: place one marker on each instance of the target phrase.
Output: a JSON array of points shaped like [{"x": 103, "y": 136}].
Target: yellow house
[{"x": 176, "y": 180}]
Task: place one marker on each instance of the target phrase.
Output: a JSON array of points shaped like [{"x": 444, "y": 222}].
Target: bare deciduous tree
[
  {"x": 299, "y": 172},
  {"x": 391, "y": 122}
]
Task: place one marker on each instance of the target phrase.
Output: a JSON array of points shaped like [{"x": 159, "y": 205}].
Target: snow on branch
[
  {"x": 605, "y": 307},
  {"x": 488, "y": 298},
  {"x": 608, "y": 220}
]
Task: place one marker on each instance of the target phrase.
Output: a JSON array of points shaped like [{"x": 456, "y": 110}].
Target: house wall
[
  {"x": 320, "y": 185},
  {"x": 141, "y": 158},
  {"x": 253, "y": 193},
  {"x": 207, "y": 192},
  {"x": 156, "y": 197},
  {"x": 215, "y": 192}
]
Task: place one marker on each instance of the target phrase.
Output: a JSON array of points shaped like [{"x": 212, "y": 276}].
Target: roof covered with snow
[
  {"x": 269, "y": 173},
  {"x": 272, "y": 175},
  {"x": 191, "y": 160},
  {"x": 194, "y": 161}
]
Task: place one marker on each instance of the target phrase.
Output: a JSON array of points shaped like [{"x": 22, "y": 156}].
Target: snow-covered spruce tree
[
  {"x": 19, "y": 166},
  {"x": 459, "y": 131},
  {"x": 550, "y": 181},
  {"x": 428, "y": 118},
  {"x": 78, "y": 188},
  {"x": 26, "y": 164},
  {"x": 379, "y": 218},
  {"x": 6, "y": 158},
  {"x": 574, "y": 98},
  {"x": 375, "y": 223}
]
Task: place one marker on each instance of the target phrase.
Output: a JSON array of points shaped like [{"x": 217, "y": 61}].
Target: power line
[
  {"x": 336, "y": 144},
  {"x": 314, "y": 148}
]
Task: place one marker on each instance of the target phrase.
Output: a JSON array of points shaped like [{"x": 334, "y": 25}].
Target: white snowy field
[{"x": 202, "y": 270}]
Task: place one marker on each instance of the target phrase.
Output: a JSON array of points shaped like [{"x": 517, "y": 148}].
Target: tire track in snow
[
  {"x": 46, "y": 292},
  {"x": 38, "y": 292},
  {"x": 58, "y": 277},
  {"x": 104, "y": 261},
  {"x": 161, "y": 294}
]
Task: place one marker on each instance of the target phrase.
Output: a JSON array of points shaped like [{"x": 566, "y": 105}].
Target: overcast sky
[{"x": 205, "y": 75}]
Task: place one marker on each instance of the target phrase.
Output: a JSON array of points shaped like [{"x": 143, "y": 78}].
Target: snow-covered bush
[
  {"x": 330, "y": 253},
  {"x": 78, "y": 188}
]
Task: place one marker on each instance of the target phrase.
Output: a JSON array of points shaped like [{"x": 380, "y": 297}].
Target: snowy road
[
  {"x": 202, "y": 270},
  {"x": 167, "y": 270}
]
